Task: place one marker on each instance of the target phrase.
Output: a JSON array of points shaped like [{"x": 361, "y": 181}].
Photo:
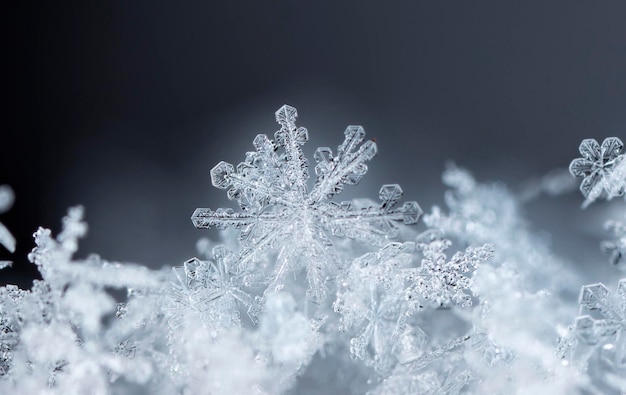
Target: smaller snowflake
[
  {"x": 443, "y": 282},
  {"x": 602, "y": 330},
  {"x": 600, "y": 169},
  {"x": 371, "y": 302},
  {"x": 210, "y": 289}
]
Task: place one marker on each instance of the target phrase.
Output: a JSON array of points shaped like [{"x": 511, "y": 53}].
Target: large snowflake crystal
[
  {"x": 278, "y": 210},
  {"x": 602, "y": 169},
  {"x": 601, "y": 332}
]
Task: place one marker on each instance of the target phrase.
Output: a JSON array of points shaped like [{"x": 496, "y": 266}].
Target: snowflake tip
[
  {"x": 390, "y": 194},
  {"x": 220, "y": 175},
  {"x": 590, "y": 149},
  {"x": 263, "y": 144},
  {"x": 368, "y": 150},
  {"x": 286, "y": 115},
  {"x": 611, "y": 147},
  {"x": 412, "y": 212},
  {"x": 354, "y": 134},
  {"x": 593, "y": 296},
  {"x": 203, "y": 218},
  {"x": 592, "y": 331}
]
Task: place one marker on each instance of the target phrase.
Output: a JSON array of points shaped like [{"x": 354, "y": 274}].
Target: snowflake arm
[
  {"x": 346, "y": 168},
  {"x": 373, "y": 224},
  {"x": 292, "y": 138},
  {"x": 53, "y": 256}
]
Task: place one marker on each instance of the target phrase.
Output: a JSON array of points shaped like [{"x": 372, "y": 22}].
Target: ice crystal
[
  {"x": 371, "y": 302},
  {"x": 210, "y": 289},
  {"x": 278, "y": 211},
  {"x": 382, "y": 291},
  {"x": 443, "y": 282},
  {"x": 520, "y": 280},
  {"x": 602, "y": 169},
  {"x": 597, "y": 339},
  {"x": 470, "y": 305},
  {"x": 54, "y": 334}
]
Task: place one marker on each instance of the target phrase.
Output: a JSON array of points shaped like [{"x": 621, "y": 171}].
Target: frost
[
  {"x": 602, "y": 169},
  {"x": 279, "y": 212}
]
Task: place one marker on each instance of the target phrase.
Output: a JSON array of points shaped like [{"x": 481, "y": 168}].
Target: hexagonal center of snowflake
[
  {"x": 306, "y": 224},
  {"x": 600, "y": 165}
]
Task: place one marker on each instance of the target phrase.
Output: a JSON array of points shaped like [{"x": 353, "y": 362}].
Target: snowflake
[
  {"x": 208, "y": 288},
  {"x": 440, "y": 281},
  {"x": 380, "y": 293},
  {"x": 373, "y": 309},
  {"x": 616, "y": 246},
  {"x": 602, "y": 168},
  {"x": 278, "y": 211},
  {"x": 379, "y": 321},
  {"x": 601, "y": 331}
]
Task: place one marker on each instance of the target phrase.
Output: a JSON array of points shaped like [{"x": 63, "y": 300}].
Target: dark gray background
[{"x": 124, "y": 106}]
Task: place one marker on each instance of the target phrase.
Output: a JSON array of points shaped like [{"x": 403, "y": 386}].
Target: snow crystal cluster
[{"x": 307, "y": 294}]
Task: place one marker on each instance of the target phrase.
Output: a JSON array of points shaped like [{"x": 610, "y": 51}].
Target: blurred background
[{"x": 125, "y": 106}]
